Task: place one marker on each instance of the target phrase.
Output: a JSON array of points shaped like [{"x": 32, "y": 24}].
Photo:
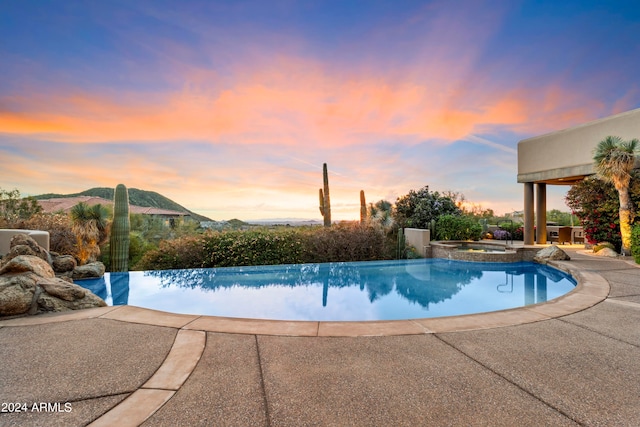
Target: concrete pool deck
[{"x": 571, "y": 361}]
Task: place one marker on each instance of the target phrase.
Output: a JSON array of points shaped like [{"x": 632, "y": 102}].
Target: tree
[
  {"x": 614, "y": 160},
  {"x": 418, "y": 208},
  {"x": 596, "y": 204},
  {"x": 14, "y": 208},
  {"x": 90, "y": 225}
]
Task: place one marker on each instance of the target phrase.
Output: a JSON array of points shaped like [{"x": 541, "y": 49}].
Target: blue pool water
[{"x": 374, "y": 290}]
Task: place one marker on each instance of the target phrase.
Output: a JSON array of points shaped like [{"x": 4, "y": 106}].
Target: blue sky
[{"x": 231, "y": 107}]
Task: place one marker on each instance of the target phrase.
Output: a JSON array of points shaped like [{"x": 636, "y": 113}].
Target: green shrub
[
  {"x": 349, "y": 242},
  {"x": 418, "y": 208},
  {"x": 454, "y": 227},
  {"x": 635, "y": 243},
  {"x": 600, "y": 246},
  {"x": 341, "y": 242},
  {"x": 253, "y": 247},
  {"x": 183, "y": 252}
]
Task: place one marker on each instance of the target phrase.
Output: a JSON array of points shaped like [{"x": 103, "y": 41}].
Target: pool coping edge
[{"x": 591, "y": 289}]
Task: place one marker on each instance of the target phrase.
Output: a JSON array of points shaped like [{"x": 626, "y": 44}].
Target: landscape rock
[
  {"x": 60, "y": 295},
  {"x": 16, "y": 294},
  {"x": 28, "y": 246},
  {"x": 28, "y": 283},
  {"x": 26, "y": 263},
  {"x": 551, "y": 253},
  {"x": 607, "y": 252},
  {"x": 62, "y": 289},
  {"x": 22, "y": 244},
  {"x": 92, "y": 270},
  {"x": 63, "y": 263}
]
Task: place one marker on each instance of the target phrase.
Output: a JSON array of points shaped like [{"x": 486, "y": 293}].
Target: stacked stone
[{"x": 33, "y": 280}]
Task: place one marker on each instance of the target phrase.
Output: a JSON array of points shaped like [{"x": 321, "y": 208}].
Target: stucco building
[{"x": 564, "y": 158}]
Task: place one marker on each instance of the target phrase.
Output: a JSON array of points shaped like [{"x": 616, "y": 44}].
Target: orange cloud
[{"x": 289, "y": 101}]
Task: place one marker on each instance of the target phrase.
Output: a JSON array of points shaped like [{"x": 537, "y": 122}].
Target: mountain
[{"x": 137, "y": 197}]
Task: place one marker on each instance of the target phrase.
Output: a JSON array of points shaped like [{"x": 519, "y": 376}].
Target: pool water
[{"x": 350, "y": 291}]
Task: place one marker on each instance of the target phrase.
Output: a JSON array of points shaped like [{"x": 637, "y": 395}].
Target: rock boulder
[
  {"x": 26, "y": 263},
  {"x": 28, "y": 285},
  {"x": 551, "y": 253},
  {"x": 607, "y": 252},
  {"x": 63, "y": 263},
  {"x": 92, "y": 270}
]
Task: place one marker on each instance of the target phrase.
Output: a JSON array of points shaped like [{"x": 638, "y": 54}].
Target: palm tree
[
  {"x": 90, "y": 225},
  {"x": 614, "y": 160}
]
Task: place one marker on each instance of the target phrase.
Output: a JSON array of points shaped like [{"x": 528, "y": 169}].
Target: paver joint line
[
  {"x": 518, "y": 386},
  {"x": 262, "y": 385}
]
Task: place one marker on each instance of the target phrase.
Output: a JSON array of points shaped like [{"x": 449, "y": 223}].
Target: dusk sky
[{"x": 230, "y": 108}]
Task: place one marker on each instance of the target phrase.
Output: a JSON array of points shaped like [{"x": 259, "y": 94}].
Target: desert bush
[
  {"x": 454, "y": 227},
  {"x": 349, "y": 242},
  {"x": 183, "y": 252},
  {"x": 61, "y": 236},
  {"x": 341, "y": 242},
  {"x": 253, "y": 247},
  {"x": 13, "y": 208}
]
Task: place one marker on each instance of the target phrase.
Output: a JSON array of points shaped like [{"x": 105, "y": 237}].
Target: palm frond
[{"x": 614, "y": 159}]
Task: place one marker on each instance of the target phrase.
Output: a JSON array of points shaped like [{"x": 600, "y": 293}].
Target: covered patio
[{"x": 563, "y": 157}]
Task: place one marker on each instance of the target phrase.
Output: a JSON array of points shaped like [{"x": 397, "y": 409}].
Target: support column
[
  {"x": 541, "y": 213},
  {"x": 528, "y": 213}
]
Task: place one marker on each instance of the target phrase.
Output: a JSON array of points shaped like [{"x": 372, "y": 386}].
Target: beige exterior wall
[
  {"x": 419, "y": 239},
  {"x": 569, "y": 153}
]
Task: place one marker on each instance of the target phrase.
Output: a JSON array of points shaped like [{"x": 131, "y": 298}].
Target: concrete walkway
[{"x": 572, "y": 361}]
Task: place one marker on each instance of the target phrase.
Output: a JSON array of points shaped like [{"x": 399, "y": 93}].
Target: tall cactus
[
  {"x": 363, "y": 208},
  {"x": 119, "y": 240},
  {"x": 325, "y": 201}
]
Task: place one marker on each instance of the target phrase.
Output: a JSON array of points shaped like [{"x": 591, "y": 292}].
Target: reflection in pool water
[{"x": 374, "y": 290}]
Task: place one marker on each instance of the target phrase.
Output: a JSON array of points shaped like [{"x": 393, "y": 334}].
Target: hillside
[{"x": 136, "y": 197}]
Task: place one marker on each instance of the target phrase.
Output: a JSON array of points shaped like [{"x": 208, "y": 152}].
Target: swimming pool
[{"x": 350, "y": 291}]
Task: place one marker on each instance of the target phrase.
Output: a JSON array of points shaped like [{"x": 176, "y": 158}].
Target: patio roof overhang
[{"x": 565, "y": 157}]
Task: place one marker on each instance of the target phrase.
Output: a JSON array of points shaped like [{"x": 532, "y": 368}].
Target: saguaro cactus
[
  {"x": 325, "y": 201},
  {"x": 119, "y": 240},
  {"x": 363, "y": 208}
]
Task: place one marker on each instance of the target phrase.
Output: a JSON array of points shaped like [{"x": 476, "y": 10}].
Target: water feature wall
[{"x": 420, "y": 240}]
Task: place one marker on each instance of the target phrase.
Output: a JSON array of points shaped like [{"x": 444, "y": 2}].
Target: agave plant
[{"x": 614, "y": 160}]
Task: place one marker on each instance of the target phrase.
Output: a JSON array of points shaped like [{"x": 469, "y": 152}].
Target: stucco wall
[
  {"x": 419, "y": 239},
  {"x": 569, "y": 152}
]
